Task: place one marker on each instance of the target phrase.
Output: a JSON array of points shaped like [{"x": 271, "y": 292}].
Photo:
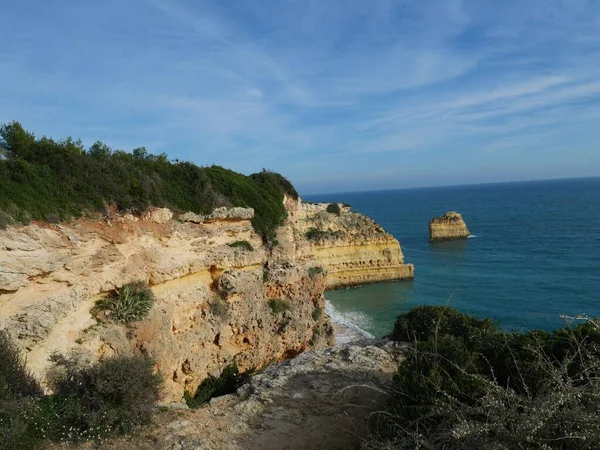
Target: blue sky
[{"x": 337, "y": 95}]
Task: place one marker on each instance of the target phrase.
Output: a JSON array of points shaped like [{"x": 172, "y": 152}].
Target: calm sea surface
[{"x": 535, "y": 253}]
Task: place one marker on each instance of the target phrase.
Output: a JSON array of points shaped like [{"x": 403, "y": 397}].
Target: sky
[{"x": 337, "y": 95}]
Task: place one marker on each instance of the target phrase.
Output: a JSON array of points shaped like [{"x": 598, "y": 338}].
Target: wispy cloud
[{"x": 365, "y": 89}]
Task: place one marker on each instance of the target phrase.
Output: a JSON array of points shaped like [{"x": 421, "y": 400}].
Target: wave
[
  {"x": 471, "y": 236},
  {"x": 351, "y": 323}
]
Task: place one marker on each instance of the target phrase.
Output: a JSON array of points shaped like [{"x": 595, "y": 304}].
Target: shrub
[
  {"x": 131, "y": 303},
  {"x": 46, "y": 176},
  {"x": 227, "y": 383},
  {"x": 423, "y": 322},
  {"x": 112, "y": 396},
  {"x": 52, "y": 217},
  {"x": 5, "y": 220},
  {"x": 315, "y": 336},
  {"x": 466, "y": 384},
  {"x": 317, "y": 313},
  {"x": 313, "y": 271},
  {"x": 265, "y": 275},
  {"x": 278, "y": 305},
  {"x": 334, "y": 208},
  {"x": 242, "y": 244},
  {"x": 219, "y": 308},
  {"x": 15, "y": 380}
]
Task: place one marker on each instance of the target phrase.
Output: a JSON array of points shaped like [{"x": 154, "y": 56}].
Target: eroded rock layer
[
  {"x": 353, "y": 248},
  {"x": 212, "y": 298},
  {"x": 447, "y": 227}
]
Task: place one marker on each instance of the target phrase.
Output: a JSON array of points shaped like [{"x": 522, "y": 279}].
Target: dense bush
[
  {"x": 278, "y": 305},
  {"x": 227, "y": 383},
  {"x": 219, "y": 308},
  {"x": 242, "y": 244},
  {"x": 131, "y": 303},
  {"x": 112, "y": 396},
  {"x": 15, "y": 380},
  {"x": 334, "y": 208},
  {"x": 466, "y": 384},
  {"x": 43, "y": 178}
]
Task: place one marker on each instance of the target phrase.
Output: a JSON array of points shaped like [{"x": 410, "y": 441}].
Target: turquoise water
[{"x": 535, "y": 255}]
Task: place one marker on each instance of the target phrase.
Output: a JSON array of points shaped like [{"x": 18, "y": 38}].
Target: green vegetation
[
  {"x": 466, "y": 384},
  {"x": 227, "y": 383},
  {"x": 110, "y": 397},
  {"x": 315, "y": 336},
  {"x": 312, "y": 271},
  {"x": 44, "y": 179},
  {"x": 334, "y": 208},
  {"x": 278, "y": 305},
  {"x": 314, "y": 234},
  {"x": 265, "y": 275},
  {"x": 131, "y": 303},
  {"x": 317, "y": 313},
  {"x": 219, "y": 308},
  {"x": 242, "y": 244}
]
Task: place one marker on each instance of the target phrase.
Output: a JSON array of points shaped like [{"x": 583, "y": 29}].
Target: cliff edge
[
  {"x": 352, "y": 247},
  {"x": 447, "y": 227},
  {"x": 222, "y": 295}
]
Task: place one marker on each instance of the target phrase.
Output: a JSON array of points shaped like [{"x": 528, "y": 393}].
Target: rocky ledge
[
  {"x": 321, "y": 399},
  {"x": 447, "y": 227}
]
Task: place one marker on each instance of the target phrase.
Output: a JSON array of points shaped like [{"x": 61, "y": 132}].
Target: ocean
[{"x": 534, "y": 255}]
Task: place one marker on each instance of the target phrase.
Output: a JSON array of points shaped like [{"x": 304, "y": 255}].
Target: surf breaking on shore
[{"x": 346, "y": 324}]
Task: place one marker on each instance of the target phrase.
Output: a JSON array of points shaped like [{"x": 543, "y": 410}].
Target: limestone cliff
[
  {"x": 212, "y": 299},
  {"x": 449, "y": 226},
  {"x": 352, "y": 247}
]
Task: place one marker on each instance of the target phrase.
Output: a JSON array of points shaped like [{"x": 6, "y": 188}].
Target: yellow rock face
[
  {"x": 447, "y": 227},
  {"x": 212, "y": 300},
  {"x": 353, "y": 248}
]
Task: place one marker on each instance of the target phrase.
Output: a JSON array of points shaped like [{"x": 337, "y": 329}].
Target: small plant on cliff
[
  {"x": 315, "y": 271},
  {"x": 334, "y": 208},
  {"x": 265, "y": 275},
  {"x": 317, "y": 313},
  {"x": 313, "y": 234},
  {"x": 278, "y": 305},
  {"x": 242, "y": 244},
  {"x": 5, "y": 220},
  {"x": 219, "y": 308},
  {"x": 131, "y": 303},
  {"x": 227, "y": 383}
]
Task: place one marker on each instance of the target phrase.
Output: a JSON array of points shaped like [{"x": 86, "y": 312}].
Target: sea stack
[{"x": 447, "y": 227}]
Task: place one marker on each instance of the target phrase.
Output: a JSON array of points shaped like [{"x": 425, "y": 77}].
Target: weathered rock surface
[
  {"x": 447, "y": 227},
  {"x": 212, "y": 303},
  {"x": 212, "y": 300},
  {"x": 319, "y": 400},
  {"x": 352, "y": 247}
]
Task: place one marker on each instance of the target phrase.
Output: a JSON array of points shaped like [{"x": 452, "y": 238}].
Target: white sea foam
[
  {"x": 349, "y": 325},
  {"x": 471, "y": 236}
]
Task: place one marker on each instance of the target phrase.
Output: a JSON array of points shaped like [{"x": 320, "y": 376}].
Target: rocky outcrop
[
  {"x": 212, "y": 304},
  {"x": 447, "y": 227},
  {"x": 352, "y": 247},
  {"x": 212, "y": 299},
  {"x": 322, "y": 400}
]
